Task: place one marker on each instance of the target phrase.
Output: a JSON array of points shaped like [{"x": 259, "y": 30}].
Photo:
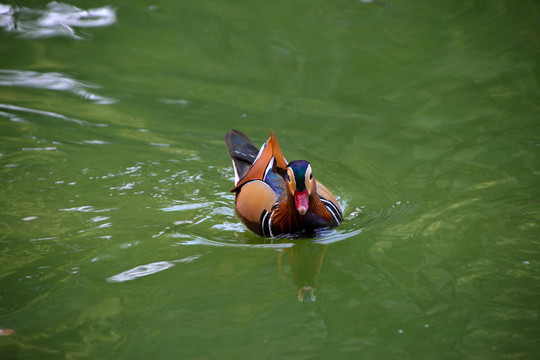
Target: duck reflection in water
[{"x": 306, "y": 260}]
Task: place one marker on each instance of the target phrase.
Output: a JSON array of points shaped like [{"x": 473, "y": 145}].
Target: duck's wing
[{"x": 268, "y": 163}]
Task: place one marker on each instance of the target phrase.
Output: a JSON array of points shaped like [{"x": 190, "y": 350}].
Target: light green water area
[{"x": 118, "y": 237}]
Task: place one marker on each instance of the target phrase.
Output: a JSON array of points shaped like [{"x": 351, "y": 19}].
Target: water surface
[{"x": 118, "y": 238}]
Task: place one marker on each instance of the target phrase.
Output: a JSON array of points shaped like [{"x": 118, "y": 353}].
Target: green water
[{"x": 118, "y": 238}]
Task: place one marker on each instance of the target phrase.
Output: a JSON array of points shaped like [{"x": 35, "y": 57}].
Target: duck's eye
[
  {"x": 310, "y": 176},
  {"x": 288, "y": 178}
]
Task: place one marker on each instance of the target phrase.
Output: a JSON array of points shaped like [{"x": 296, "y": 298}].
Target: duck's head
[{"x": 300, "y": 184}]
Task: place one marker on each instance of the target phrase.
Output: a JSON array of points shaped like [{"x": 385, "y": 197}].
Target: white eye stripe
[
  {"x": 309, "y": 175},
  {"x": 291, "y": 179}
]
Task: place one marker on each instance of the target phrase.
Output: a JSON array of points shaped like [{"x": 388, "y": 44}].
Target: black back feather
[{"x": 241, "y": 150}]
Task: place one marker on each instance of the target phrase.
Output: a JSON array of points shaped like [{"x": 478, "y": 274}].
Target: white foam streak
[
  {"x": 52, "y": 81},
  {"x": 57, "y": 19},
  {"x": 48, "y": 113},
  {"x": 148, "y": 269},
  {"x": 139, "y": 271}
]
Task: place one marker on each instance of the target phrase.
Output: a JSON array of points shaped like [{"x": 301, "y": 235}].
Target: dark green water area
[{"x": 118, "y": 237}]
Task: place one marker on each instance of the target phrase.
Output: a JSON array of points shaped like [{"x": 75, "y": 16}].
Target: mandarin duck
[{"x": 275, "y": 197}]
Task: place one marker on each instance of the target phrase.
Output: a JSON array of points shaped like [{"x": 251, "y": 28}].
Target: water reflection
[
  {"x": 306, "y": 261},
  {"x": 148, "y": 269},
  {"x": 16, "y": 118},
  {"x": 57, "y": 19},
  {"x": 52, "y": 81}
]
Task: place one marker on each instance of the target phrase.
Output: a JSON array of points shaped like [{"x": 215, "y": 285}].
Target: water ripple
[
  {"x": 57, "y": 19},
  {"x": 44, "y": 113},
  {"x": 87, "y": 208},
  {"x": 332, "y": 236},
  {"x": 52, "y": 81},
  {"x": 270, "y": 243},
  {"x": 187, "y": 206},
  {"x": 148, "y": 269},
  {"x": 142, "y": 270}
]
